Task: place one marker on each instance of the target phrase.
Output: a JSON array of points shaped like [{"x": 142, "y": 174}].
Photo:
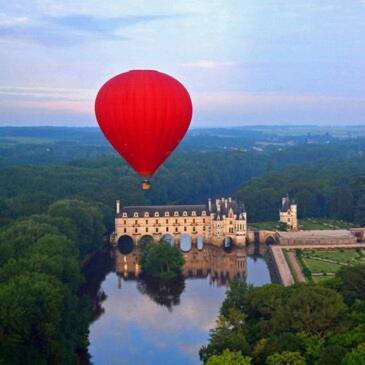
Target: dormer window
[
  {"x": 157, "y": 214},
  {"x": 146, "y": 214},
  {"x": 204, "y": 213},
  {"x": 124, "y": 215},
  {"x": 176, "y": 214},
  {"x": 185, "y": 214},
  {"x": 167, "y": 214},
  {"x": 193, "y": 213},
  {"x": 135, "y": 215}
]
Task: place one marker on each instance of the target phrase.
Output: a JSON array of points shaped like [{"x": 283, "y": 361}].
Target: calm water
[{"x": 144, "y": 322}]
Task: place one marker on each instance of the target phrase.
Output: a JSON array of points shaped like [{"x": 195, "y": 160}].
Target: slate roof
[
  {"x": 238, "y": 208},
  {"x": 285, "y": 204},
  {"x": 161, "y": 209}
]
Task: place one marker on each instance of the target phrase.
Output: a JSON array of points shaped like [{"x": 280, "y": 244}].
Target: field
[
  {"x": 322, "y": 264},
  {"x": 323, "y": 223},
  {"x": 304, "y": 224}
]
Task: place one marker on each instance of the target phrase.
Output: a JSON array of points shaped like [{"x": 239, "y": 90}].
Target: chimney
[
  {"x": 209, "y": 204},
  {"x": 229, "y": 199},
  {"x": 218, "y": 203},
  {"x": 226, "y": 203},
  {"x": 117, "y": 207}
]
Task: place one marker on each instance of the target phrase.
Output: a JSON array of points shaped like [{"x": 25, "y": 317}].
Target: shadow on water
[{"x": 165, "y": 293}]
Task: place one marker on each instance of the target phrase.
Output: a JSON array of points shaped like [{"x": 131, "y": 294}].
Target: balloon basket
[{"x": 146, "y": 185}]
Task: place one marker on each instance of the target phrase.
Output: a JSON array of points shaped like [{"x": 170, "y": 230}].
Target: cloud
[
  {"x": 69, "y": 30},
  {"x": 209, "y": 64}
]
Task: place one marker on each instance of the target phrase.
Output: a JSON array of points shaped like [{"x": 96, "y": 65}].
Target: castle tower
[{"x": 288, "y": 214}]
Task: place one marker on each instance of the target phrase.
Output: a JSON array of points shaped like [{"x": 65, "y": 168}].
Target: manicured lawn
[
  {"x": 320, "y": 266},
  {"x": 270, "y": 226},
  {"x": 321, "y": 223},
  {"x": 342, "y": 256},
  {"x": 320, "y": 278}
]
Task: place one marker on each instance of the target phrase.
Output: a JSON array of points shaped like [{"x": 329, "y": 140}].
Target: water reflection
[
  {"x": 148, "y": 322},
  {"x": 166, "y": 293},
  {"x": 215, "y": 263}
]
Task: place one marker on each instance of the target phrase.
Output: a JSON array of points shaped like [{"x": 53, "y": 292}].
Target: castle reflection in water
[{"x": 212, "y": 262}]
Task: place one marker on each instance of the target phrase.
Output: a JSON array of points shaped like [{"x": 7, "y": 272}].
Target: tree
[
  {"x": 351, "y": 283},
  {"x": 161, "y": 260},
  {"x": 286, "y": 358},
  {"x": 356, "y": 356},
  {"x": 314, "y": 309},
  {"x": 229, "y": 358},
  {"x": 87, "y": 220}
]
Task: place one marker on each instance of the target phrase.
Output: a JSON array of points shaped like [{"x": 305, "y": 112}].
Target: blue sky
[{"x": 243, "y": 61}]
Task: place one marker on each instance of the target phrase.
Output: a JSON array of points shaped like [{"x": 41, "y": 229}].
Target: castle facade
[{"x": 222, "y": 222}]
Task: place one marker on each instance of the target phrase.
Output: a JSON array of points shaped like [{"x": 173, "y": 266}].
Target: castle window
[
  {"x": 204, "y": 213},
  {"x": 230, "y": 222},
  {"x": 193, "y": 229},
  {"x": 185, "y": 229},
  {"x": 146, "y": 221},
  {"x": 176, "y": 214},
  {"x": 156, "y": 229},
  {"x": 146, "y": 229},
  {"x": 124, "y": 215},
  {"x": 167, "y": 214},
  {"x": 125, "y": 230},
  {"x": 193, "y": 220},
  {"x": 135, "y": 222},
  {"x": 203, "y": 228},
  {"x": 156, "y": 221},
  {"x": 193, "y": 213},
  {"x": 167, "y": 229},
  {"x": 184, "y": 220},
  {"x": 203, "y": 220},
  {"x": 125, "y": 222},
  {"x": 185, "y": 214},
  {"x": 135, "y": 214},
  {"x": 136, "y": 230},
  {"x": 167, "y": 221},
  {"x": 157, "y": 214},
  {"x": 146, "y": 214},
  {"x": 175, "y": 220},
  {"x": 176, "y": 229}
]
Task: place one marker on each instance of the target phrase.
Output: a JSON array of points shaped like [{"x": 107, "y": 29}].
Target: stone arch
[
  {"x": 169, "y": 238},
  {"x": 125, "y": 244},
  {"x": 199, "y": 242},
  {"x": 228, "y": 243},
  {"x": 270, "y": 240},
  {"x": 185, "y": 242},
  {"x": 146, "y": 239}
]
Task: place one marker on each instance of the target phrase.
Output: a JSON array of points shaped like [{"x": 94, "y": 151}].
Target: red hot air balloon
[{"x": 144, "y": 114}]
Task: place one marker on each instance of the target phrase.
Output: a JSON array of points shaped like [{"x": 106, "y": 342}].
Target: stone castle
[
  {"x": 222, "y": 222},
  {"x": 288, "y": 214}
]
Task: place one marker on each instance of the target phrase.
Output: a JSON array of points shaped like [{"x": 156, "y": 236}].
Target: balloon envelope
[{"x": 144, "y": 114}]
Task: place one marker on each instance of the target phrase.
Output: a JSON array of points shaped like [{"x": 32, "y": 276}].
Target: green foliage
[
  {"x": 330, "y": 190},
  {"x": 351, "y": 283},
  {"x": 286, "y": 358},
  {"x": 42, "y": 318},
  {"x": 229, "y": 358},
  {"x": 86, "y": 219},
  {"x": 161, "y": 260},
  {"x": 303, "y": 324},
  {"x": 356, "y": 356}
]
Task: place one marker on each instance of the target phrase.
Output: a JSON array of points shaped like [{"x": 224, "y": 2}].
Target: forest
[
  {"x": 307, "y": 324},
  {"x": 57, "y": 194}
]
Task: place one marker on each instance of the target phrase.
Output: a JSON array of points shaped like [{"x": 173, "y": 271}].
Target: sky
[{"x": 244, "y": 62}]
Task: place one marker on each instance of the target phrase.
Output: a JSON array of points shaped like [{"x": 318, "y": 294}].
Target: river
[{"x": 139, "y": 321}]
